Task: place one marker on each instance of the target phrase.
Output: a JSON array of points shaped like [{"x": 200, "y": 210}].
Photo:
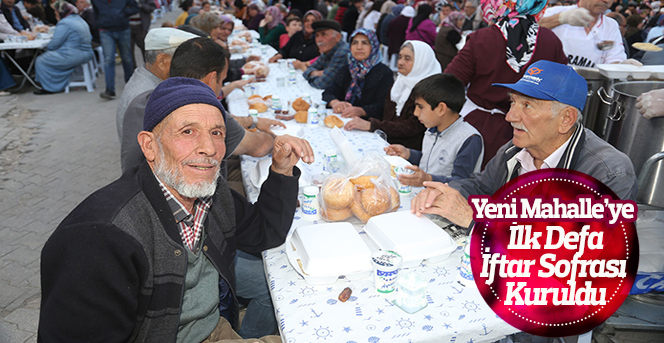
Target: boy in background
[
  {"x": 451, "y": 148},
  {"x": 293, "y": 25}
]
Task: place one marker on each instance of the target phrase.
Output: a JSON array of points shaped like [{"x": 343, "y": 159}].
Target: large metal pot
[
  {"x": 638, "y": 137},
  {"x": 595, "y": 111}
]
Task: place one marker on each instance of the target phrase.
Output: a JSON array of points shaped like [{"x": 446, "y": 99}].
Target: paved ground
[{"x": 54, "y": 151}]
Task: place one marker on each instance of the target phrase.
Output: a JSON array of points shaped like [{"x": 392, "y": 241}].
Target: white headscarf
[
  {"x": 408, "y": 11},
  {"x": 424, "y": 66}
]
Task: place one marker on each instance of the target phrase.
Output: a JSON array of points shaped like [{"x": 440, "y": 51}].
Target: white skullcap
[{"x": 165, "y": 38}]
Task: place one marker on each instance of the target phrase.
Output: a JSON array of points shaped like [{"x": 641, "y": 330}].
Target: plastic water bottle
[
  {"x": 291, "y": 77},
  {"x": 276, "y": 104},
  {"x": 312, "y": 118},
  {"x": 310, "y": 206}
]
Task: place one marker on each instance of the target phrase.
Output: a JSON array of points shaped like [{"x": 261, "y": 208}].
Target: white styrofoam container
[
  {"x": 414, "y": 238},
  {"x": 321, "y": 253},
  {"x": 622, "y": 71}
]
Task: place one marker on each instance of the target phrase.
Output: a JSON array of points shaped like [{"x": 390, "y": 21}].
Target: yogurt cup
[
  {"x": 465, "y": 276},
  {"x": 386, "y": 269}
]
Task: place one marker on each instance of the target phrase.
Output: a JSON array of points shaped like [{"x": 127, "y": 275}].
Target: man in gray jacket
[{"x": 546, "y": 117}]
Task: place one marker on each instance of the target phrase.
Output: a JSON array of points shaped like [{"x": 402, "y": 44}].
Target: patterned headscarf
[
  {"x": 314, "y": 13},
  {"x": 277, "y": 17},
  {"x": 517, "y": 21},
  {"x": 359, "y": 69},
  {"x": 452, "y": 18},
  {"x": 65, "y": 8}
]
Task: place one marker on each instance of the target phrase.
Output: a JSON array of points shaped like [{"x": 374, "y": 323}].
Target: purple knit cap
[{"x": 176, "y": 92}]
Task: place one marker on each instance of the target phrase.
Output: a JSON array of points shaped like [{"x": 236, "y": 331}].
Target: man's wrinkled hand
[
  {"x": 287, "y": 151},
  {"x": 443, "y": 200}
]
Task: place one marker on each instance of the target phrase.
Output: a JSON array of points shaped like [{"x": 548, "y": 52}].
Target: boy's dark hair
[
  {"x": 292, "y": 19},
  {"x": 439, "y": 88},
  {"x": 198, "y": 57}
]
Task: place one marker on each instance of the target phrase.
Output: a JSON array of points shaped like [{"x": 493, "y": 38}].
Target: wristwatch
[{"x": 254, "y": 122}]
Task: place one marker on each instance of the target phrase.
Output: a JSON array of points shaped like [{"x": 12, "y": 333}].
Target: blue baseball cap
[{"x": 548, "y": 80}]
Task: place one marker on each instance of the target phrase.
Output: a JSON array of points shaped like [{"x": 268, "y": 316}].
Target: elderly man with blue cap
[
  {"x": 547, "y": 133},
  {"x": 149, "y": 258}
]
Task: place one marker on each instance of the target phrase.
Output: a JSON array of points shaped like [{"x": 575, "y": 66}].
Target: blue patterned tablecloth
[{"x": 312, "y": 313}]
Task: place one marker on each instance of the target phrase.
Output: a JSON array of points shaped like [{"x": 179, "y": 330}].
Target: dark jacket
[
  {"x": 396, "y": 33},
  {"x": 404, "y": 129},
  {"x": 377, "y": 84},
  {"x": 300, "y": 48},
  {"x": 17, "y": 12},
  {"x": 113, "y": 15},
  {"x": 349, "y": 20},
  {"x": 114, "y": 269},
  {"x": 89, "y": 16},
  {"x": 146, "y": 9}
]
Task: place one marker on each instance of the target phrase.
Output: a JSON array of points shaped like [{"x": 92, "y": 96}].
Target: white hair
[
  {"x": 171, "y": 176},
  {"x": 557, "y": 107}
]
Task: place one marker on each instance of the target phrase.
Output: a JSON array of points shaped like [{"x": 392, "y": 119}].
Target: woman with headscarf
[
  {"x": 399, "y": 122},
  {"x": 372, "y": 18},
  {"x": 366, "y": 8},
  {"x": 447, "y": 38},
  {"x": 252, "y": 16},
  {"x": 385, "y": 12},
  {"x": 421, "y": 27},
  {"x": 271, "y": 27},
  {"x": 396, "y": 31},
  {"x": 515, "y": 42},
  {"x": 359, "y": 90},
  {"x": 70, "y": 47},
  {"x": 302, "y": 46}
]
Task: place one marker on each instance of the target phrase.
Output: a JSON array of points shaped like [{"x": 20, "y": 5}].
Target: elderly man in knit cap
[{"x": 150, "y": 257}]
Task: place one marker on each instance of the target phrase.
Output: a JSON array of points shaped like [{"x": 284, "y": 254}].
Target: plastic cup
[
  {"x": 403, "y": 189},
  {"x": 386, "y": 269},
  {"x": 281, "y": 81},
  {"x": 412, "y": 292}
]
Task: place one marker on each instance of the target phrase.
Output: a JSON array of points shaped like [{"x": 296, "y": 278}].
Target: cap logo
[{"x": 534, "y": 71}]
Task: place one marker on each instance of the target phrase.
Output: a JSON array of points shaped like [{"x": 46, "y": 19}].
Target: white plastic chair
[
  {"x": 393, "y": 62},
  {"x": 100, "y": 61},
  {"x": 88, "y": 77}
]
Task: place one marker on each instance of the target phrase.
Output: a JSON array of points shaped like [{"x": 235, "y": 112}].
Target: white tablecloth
[
  {"x": 32, "y": 44},
  {"x": 308, "y": 313}
]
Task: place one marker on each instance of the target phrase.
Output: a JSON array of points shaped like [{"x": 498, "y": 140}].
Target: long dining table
[{"x": 312, "y": 313}]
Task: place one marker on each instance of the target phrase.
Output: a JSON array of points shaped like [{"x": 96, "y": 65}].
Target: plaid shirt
[
  {"x": 191, "y": 225},
  {"x": 331, "y": 63}
]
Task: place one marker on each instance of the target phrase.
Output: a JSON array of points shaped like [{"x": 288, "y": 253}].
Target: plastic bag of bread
[
  {"x": 258, "y": 103},
  {"x": 239, "y": 44},
  {"x": 256, "y": 68},
  {"x": 366, "y": 190}
]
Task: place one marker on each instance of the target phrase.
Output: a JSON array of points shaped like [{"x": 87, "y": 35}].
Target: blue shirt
[{"x": 331, "y": 63}]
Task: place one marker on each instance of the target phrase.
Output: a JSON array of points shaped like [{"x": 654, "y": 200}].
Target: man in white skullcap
[{"x": 160, "y": 44}]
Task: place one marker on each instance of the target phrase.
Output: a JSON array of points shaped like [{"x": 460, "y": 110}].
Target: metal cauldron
[{"x": 639, "y": 138}]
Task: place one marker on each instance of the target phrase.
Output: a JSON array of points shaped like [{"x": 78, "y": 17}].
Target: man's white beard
[{"x": 175, "y": 180}]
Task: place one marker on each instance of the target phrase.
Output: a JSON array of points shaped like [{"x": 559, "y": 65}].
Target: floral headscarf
[
  {"x": 359, "y": 69},
  {"x": 65, "y": 8},
  {"x": 277, "y": 17},
  {"x": 517, "y": 21},
  {"x": 452, "y": 19},
  {"x": 314, "y": 13}
]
